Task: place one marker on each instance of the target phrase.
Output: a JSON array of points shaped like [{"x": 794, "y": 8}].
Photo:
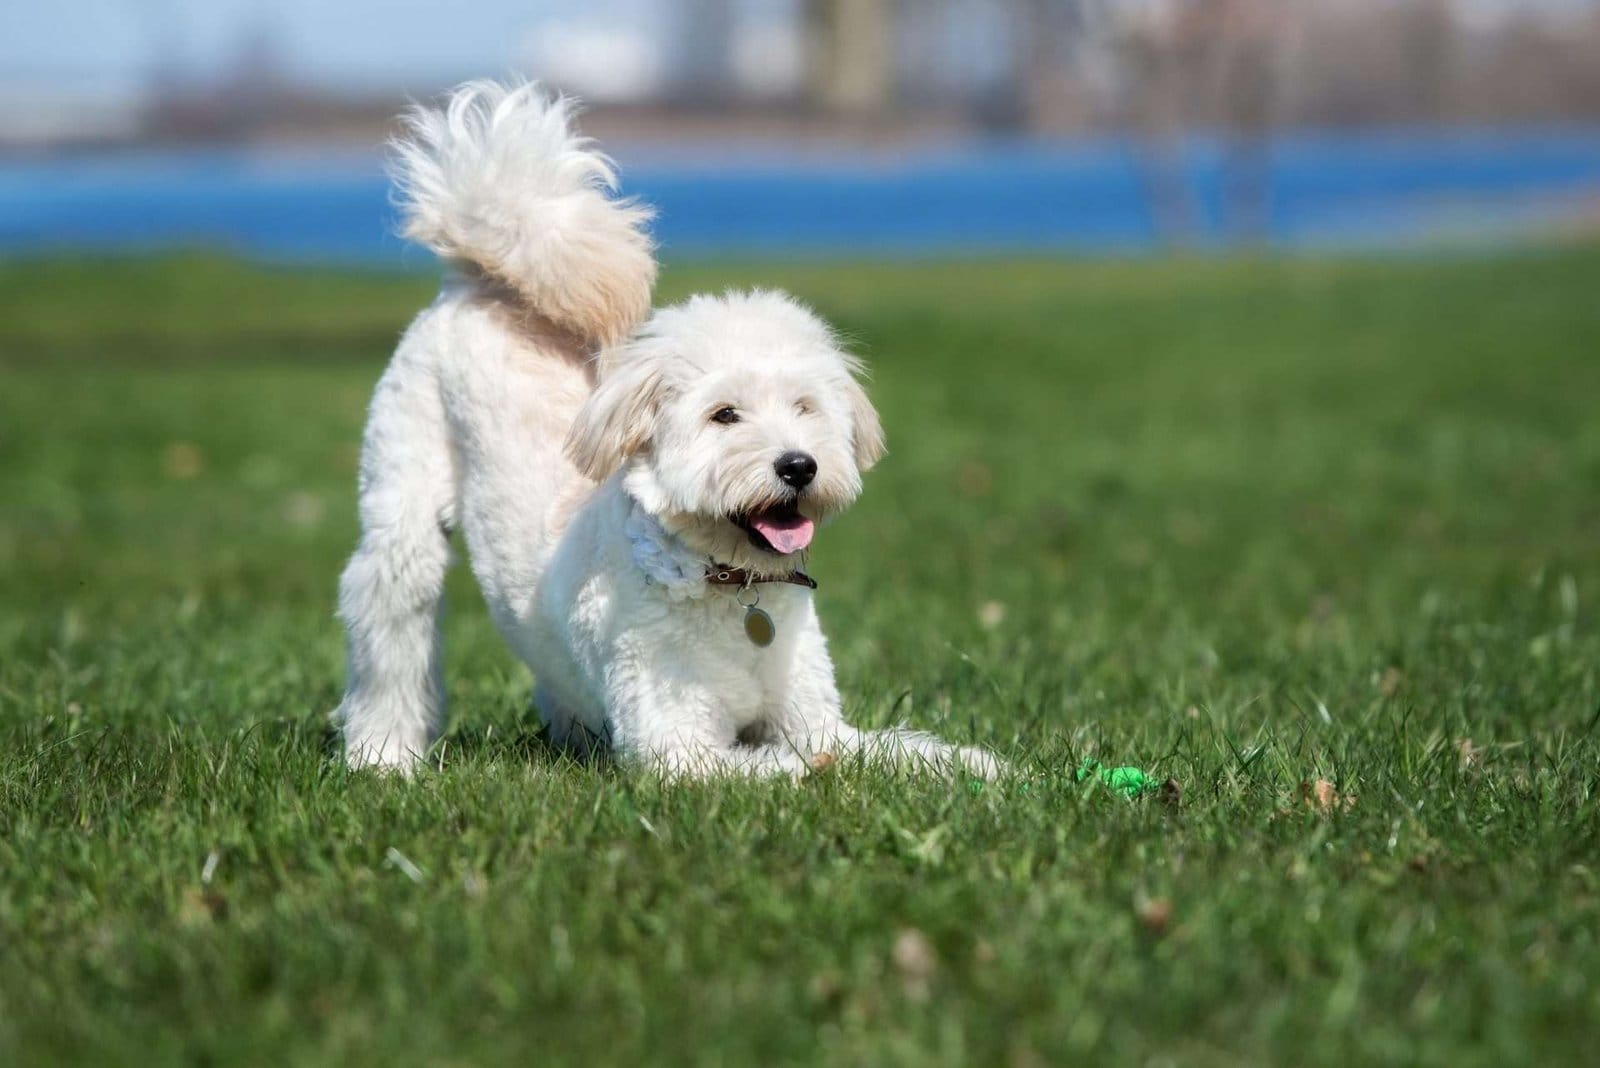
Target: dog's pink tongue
[{"x": 788, "y": 535}]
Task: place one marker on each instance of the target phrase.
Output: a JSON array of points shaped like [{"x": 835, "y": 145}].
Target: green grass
[{"x": 1248, "y": 525}]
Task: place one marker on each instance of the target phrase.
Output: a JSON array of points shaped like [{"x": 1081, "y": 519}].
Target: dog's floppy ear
[
  {"x": 617, "y": 420},
  {"x": 866, "y": 431}
]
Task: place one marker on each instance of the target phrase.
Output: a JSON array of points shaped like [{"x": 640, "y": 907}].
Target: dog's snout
[{"x": 796, "y": 468}]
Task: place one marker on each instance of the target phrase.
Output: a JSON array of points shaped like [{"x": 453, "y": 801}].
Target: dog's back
[{"x": 467, "y": 428}]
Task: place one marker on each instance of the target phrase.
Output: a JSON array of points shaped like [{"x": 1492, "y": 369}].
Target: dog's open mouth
[{"x": 779, "y": 529}]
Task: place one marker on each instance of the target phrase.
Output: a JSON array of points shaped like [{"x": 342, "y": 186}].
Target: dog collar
[
  {"x": 723, "y": 575},
  {"x": 758, "y": 625}
]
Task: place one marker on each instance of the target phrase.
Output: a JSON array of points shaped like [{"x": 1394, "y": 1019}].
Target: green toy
[{"x": 1129, "y": 781}]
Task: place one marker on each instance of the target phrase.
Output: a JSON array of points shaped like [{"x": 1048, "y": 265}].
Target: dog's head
[{"x": 737, "y": 421}]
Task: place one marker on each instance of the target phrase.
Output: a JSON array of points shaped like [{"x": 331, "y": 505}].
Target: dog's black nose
[{"x": 796, "y": 468}]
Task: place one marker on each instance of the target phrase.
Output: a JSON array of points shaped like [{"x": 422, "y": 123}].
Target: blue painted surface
[{"x": 1380, "y": 190}]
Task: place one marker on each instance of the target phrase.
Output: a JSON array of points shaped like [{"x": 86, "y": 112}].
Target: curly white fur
[
  {"x": 585, "y": 462},
  {"x": 498, "y": 180}
]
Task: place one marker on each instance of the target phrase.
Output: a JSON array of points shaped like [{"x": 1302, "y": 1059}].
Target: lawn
[{"x": 1319, "y": 541}]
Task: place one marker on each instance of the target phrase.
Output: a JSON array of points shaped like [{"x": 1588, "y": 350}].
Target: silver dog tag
[{"x": 758, "y": 627}]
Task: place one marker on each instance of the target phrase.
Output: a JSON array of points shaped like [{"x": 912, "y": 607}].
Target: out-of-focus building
[{"x": 39, "y": 113}]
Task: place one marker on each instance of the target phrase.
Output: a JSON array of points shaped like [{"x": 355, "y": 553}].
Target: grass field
[{"x": 1248, "y": 525}]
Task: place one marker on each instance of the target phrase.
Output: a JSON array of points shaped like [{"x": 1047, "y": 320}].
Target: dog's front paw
[
  {"x": 980, "y": 762},
  {"x": 387, "y": 753}
]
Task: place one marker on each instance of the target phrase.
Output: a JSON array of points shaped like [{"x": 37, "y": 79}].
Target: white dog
[{"x": 637, "y": 495}]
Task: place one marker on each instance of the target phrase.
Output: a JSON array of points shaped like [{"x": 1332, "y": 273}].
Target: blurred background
[{"x": 824, "y": 126}]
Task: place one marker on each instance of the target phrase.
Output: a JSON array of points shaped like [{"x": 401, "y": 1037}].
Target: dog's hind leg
[{"x": 392, "y": 591}]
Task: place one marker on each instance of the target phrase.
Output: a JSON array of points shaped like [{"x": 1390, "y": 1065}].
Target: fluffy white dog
[{"x": 637, "y": 491}]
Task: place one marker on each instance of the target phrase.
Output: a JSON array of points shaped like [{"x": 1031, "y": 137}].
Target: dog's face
[{"x": 739, "y": 424}]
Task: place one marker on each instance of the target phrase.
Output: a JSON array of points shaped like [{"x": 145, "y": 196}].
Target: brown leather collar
[{"x": 738, "y": 576}]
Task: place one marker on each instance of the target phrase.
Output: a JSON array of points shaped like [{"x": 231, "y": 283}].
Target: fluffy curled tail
[{"x": 497, "y": 179}]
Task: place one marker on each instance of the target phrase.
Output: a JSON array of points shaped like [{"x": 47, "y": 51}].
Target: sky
[
  {"x": 98, "y": 46},
  {"x": 380, "y": 44}
]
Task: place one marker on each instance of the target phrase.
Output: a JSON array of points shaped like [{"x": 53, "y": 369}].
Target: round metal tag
[{"x": 758, "y": 627}]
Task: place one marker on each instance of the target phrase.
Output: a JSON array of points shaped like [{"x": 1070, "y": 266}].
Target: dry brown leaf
[
  {"x": 1155, "y": 914},
  {"x": 1324, "y": 797},
  {"x": 826, "y": 989},
  {"x": 1390, "y": 682},
  {"x": 303, "y": 510},
  {"x": 916, "y": 960},
  {"x": 1024, "y": 1056},
  {"x": 821, "y": 762},
  {"x": 975, "y": 479},
  {"x": 1468, "y": 755},
  {"x": 183, "y": 460},
  {"x": 202, "y": 907}
]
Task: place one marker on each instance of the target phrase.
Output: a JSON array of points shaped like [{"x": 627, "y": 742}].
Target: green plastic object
[{"x": 1129, "y": 781}]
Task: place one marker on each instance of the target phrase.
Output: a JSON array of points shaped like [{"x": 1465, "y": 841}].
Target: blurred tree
[
  {"x": 1247, "y": 41},
  {"x": 1037, "y": 89},
  {"x": 1148, "y": 40},
  {"x": 1429, "y": 41},
  {"x": 1050, "y": 37},
  {"x": 851, "y": 55},
  {"x": 704, "y": 59}
]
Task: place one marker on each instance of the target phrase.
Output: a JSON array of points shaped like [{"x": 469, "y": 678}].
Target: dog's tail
[{"x": 497, "y": 180}]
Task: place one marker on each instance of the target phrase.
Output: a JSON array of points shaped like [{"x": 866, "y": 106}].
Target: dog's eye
[
  {"x": 725, "y": 415},
  {"x": 803, "y": 407}
]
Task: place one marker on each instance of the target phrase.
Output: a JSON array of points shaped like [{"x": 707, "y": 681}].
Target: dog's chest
[{"x": 751, "y": 679}]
